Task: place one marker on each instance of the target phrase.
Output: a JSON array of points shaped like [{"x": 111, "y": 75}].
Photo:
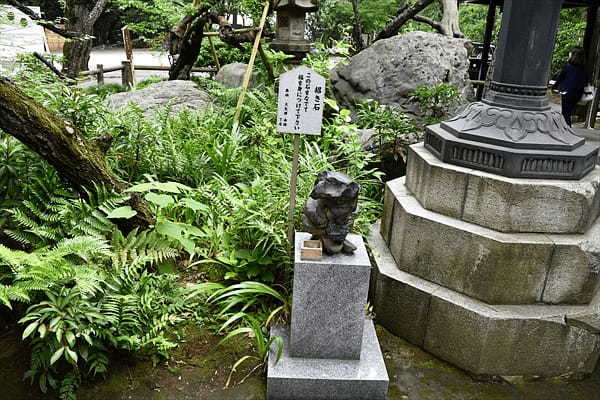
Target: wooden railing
[{"x": 127, "y": 71}]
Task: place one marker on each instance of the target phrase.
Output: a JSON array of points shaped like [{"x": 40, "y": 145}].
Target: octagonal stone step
[
  {"x": 503, "y": 204},
  {"x": 491, "y": 266},
  {"x": 483, "y": 339}
]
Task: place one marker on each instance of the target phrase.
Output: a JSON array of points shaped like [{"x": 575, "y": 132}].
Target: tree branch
[
  {"x": 51, "y": 27},
  {"x": 49, "y": 65},
  {"x": 78, "y": 161},
  {"x": 96, "y": 11},
  {"x": 405, "y": 13},
  {"x": 434, "y": 24}
]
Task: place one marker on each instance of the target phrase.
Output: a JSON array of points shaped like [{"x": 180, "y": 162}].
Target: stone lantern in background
[{"x": 291, "y": 26}]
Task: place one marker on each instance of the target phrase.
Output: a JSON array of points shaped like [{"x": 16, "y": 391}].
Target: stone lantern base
[
  {"x": 481, "y": 270},
  {"x": 512, "y": 142}
]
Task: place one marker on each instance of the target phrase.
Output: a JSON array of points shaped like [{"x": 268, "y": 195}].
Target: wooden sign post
[
  {"x": 128, "y": 44},
  {"x": 300, "y": 112}
]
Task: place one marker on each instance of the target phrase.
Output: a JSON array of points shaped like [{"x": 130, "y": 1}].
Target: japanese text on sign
[{"x": 301, "y": 102}]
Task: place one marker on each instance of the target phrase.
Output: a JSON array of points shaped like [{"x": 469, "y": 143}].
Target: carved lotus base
[{"x": 512, "y": 143}]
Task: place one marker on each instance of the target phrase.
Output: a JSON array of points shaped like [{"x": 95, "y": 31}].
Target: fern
[
  {"x": 52, "y": 214},
  {"x": 28, "y": 273},
  {"x": 138, "y": 249}
]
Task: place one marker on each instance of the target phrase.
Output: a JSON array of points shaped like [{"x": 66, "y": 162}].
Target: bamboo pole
[
  {"x": 214, "y": 52},
  {"x": 238, "y": 109},
  {"x": 128, "y": 44}
]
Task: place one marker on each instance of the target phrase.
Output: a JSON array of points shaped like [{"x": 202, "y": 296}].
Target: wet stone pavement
[{"x": 199, "y": 370}]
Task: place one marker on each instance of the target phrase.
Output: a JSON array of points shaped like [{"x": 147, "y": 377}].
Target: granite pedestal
[
  {"x": 481, "y": 270},
  {"x": 331, "y": 350}
]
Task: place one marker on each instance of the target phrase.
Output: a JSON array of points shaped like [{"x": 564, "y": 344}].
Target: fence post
[
  {"x": 126, "y": 74},
  {"x": 100, "y": 74}
]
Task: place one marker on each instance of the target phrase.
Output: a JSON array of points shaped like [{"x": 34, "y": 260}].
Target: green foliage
[
  {"x": 52, "y": 213},
  {"x": 150, "y": 19},
  {"x": 148, "y": 81},
  {"x": 24, "y": 274},
  {"x": 247, "y": 308},
  {"x": 334, "y": 20},
  {"x": 17, "y": 165},
  {"x": 103, "y": 91},
  {"x": 321, "y": 58},
  {"x": 570, "y": 34},
  {"x": 473, "y": 19},
  {"x": 220, "y": 202},
  {"x": 90, "y": 296},
  {"x": 227, "y": 54},
  {"x": 436, "y": 101}
]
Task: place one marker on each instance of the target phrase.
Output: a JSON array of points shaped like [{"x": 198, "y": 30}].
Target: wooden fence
[{"x": 127, "y": 71}]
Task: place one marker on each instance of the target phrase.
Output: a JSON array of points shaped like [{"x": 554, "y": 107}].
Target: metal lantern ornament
[{"x": 291, "y": 25}]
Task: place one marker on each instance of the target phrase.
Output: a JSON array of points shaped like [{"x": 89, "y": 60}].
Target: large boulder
[
  {"x": 390, "y": 70},
  {"x": 232, "y": 75},
  {"x": 175, "y": 95}
]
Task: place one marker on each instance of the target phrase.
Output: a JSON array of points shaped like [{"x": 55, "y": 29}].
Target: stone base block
[
  {"x": 328, "y": 379},
  {"x": 494, "y": 267},
  {"x": 483, "y": 339},
  {"x": 329, "y": 302},
  {"x": 501, "y": 203}
]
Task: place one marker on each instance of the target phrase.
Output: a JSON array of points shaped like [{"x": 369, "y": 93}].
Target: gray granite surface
[
  {"x": 485, "y": 339},
  {"x": 492, "y": 266},
  {"x": 500, "y": 203},
  {"x": 294, "y": 378},
  {"x": 329, "y": 302}
]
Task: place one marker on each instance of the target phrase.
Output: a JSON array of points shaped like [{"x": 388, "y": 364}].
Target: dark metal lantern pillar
[
  {"x": 513, "y": 131},
  {"x": 291, "y": 26}
]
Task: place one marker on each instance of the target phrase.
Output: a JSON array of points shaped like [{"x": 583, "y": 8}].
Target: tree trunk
[
  {"x": 81, "y": 16},
  {"x": 186, "y": 41},
  {"x": 189, "y": 51},
  {"x": 404, "y": 14},
  {"x": 357, "y": 29},
  {"x": 79, "y": 162},
  {"x": 449, "y": 25}
]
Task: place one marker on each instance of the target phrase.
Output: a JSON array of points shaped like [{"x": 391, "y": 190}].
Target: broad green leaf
[
  {"x": 169, "y": 187},
  {"x": 161, "y": 200},
  {"x": 170, "y": 229},
  {"x": 124, "y": 212},
  {"x": 29, "y": 330},
  {"x": 71, "y": 355},
  {"x": 57, "y": 354},
  {"x": 278, "y": 341},
  {"x": 42, "y": 330},
  {"x": 70, "y": 338},
  {"x": 187, "y": 244},
  {"x": 194, "y": 205}
]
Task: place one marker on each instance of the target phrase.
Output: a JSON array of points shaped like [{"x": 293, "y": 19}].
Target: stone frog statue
[{"x": 330, "y": 211}]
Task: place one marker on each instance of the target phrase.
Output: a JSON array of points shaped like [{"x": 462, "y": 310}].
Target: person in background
[{"x": 571, "y": 82}]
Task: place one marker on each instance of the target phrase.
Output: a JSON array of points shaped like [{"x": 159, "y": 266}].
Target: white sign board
[{"x": 301, "y": 102}]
